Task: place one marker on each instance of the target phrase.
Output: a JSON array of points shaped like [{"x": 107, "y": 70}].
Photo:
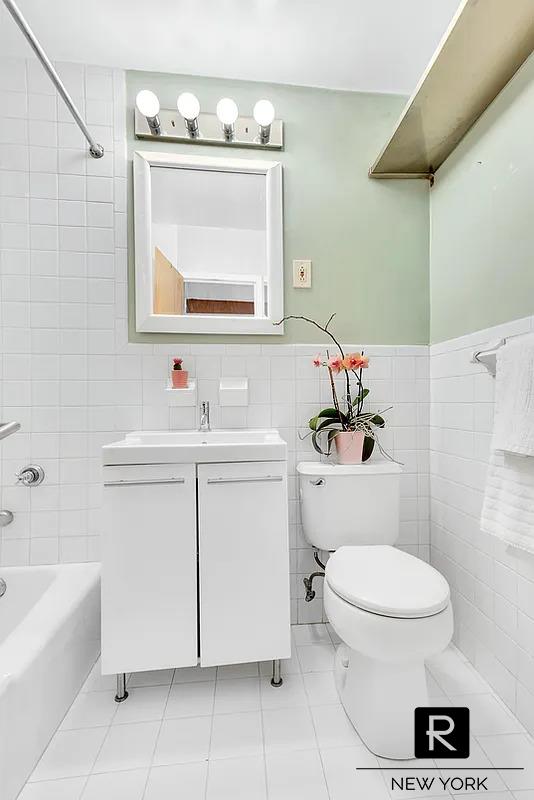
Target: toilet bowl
[{"x": 391, "y": 611}]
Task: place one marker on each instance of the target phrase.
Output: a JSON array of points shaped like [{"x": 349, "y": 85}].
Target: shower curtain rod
[{"x": 95, "y": 149}]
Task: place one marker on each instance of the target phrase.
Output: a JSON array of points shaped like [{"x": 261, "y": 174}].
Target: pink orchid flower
[
  {"x": 336, "y": 364},
  {"x": 317, "y": 360},
  {"x": 355, "y": 361}
]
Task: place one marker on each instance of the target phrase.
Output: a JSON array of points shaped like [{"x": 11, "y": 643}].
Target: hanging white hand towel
[
  {"x": 508, "y": 509},
  {"x": 513, "y": 428}
]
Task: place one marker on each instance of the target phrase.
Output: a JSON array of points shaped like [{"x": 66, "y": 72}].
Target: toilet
[{"x": 390, "y": 609}]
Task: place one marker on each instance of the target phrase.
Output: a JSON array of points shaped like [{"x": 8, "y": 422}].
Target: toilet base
[{"x": 379, "y": 698}]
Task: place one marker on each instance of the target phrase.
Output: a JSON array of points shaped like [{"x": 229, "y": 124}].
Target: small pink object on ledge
[{"x": 179, "y": 376}]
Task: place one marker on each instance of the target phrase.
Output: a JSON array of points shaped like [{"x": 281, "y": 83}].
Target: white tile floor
[{"x": 223, "y": 734}]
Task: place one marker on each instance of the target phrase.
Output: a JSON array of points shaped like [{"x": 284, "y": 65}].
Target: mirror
[{"x": 208, "y": 244}]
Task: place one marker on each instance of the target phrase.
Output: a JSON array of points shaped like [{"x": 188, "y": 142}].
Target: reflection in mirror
[
  {"x": 208, "y": 236},
  {"x": 209, "y": 242}
]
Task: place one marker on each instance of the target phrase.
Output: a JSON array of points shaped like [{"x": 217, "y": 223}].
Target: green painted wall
[
  {"x": 368, "y": 239},
  {"x": 482, "y": 219}
]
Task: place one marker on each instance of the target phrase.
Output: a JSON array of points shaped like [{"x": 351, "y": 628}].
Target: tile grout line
[
  {"x": 150, "y": 765},
  {"x": 211, "y": 735},
  {"x": 264, "y": 752},
  {"x": 315, "y": 727}
]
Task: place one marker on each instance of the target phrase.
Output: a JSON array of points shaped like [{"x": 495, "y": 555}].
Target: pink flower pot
[
  {"x": 179, "y": 378},
  {"x": 349, "y": 447}
]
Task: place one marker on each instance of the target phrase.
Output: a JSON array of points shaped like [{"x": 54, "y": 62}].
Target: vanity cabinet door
[
  {"x": 243, "y": 562},
  {"x": 149, "y": 568}
]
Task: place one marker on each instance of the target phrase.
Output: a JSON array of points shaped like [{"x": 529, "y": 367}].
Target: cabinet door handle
[
  {"x": 144, "y": 483},
  {"x": 255, "y": 479}
]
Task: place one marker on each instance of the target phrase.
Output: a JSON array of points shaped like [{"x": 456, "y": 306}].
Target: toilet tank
[{"x": 356, "y": 504}]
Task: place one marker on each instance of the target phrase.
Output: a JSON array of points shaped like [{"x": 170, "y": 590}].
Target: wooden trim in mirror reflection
[
  {"x": 203, "y": 306},
  {"x": 168, "y": 286}
]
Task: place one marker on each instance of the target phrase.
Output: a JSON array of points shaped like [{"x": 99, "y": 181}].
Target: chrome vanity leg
[
  {"x": 276, "y": 680},
  {"x": 122, "y": 694}
]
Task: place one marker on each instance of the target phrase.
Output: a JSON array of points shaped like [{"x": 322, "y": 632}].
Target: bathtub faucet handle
[{"x": 32, "y": 475}]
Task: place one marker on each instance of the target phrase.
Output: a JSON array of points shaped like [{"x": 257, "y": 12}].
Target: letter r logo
[{"x": 441, "y": 732}]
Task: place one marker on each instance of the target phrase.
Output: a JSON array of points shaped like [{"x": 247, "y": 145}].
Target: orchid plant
[{"x": 348, "y": 411}]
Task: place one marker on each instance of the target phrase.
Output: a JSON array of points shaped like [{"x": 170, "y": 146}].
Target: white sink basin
[{"x": 190, "y": 447}]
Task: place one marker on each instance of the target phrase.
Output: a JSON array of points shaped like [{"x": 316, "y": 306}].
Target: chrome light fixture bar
[
  {"x": 96, "y": 150},
  {"x": 189, "y": 125}
]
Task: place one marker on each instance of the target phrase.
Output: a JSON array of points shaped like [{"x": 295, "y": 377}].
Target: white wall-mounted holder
[
  {"x": 185, "y": 398},
  {"x": 488, "y": 356},
  {"x": 233, "y": 392}
]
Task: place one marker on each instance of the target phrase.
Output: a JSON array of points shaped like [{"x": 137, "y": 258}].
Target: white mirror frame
[{"x": 146, "y": 320}]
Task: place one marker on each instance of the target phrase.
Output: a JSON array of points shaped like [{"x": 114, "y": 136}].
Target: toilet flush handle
[{"x": 318, "y": 482}]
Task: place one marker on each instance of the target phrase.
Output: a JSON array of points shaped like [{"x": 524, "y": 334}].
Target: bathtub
[{"x": 49, "y": 639}]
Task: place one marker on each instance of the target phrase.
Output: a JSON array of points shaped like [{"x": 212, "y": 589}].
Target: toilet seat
[{"x": 384, "y": 580}]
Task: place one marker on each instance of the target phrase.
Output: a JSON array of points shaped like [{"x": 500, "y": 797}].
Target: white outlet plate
[{"x": 302, "y": 274}]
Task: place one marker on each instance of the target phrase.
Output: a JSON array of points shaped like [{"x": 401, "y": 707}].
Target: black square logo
[{"x": 441, "y": 732}]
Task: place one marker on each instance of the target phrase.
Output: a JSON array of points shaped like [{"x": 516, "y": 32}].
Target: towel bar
[{"x": 488, "y": 356}]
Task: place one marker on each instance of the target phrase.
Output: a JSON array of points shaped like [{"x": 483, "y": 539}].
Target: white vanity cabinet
[
  {"x": 195, "y": 558},
  {"x": 149, "y": 574},
  {"x": 243, "y": 562}
]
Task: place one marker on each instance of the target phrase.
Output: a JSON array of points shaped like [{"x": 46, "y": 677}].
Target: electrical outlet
[{"x": 302, "y": 274}]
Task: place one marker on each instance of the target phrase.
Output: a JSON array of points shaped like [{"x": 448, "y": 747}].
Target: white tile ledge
[{"x": 182, "y": 397}]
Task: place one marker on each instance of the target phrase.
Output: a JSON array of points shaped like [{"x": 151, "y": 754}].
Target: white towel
[
  {"x": 508, "y": 509},
  {"x": 513, "y": 428}
]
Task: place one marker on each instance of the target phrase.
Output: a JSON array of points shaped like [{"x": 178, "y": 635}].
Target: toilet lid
[{"x": 387, "y": 581}]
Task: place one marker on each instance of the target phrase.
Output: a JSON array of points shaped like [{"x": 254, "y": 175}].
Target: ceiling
[{"x": 363, "y": 45}]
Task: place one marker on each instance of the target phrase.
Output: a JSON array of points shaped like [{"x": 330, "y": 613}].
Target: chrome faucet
[{"x": 204, "y": 416}]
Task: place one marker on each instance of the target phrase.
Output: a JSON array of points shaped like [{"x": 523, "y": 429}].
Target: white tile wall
[
  {"x": 492, "y": 584},
  {"x": 71, "y": 377}
]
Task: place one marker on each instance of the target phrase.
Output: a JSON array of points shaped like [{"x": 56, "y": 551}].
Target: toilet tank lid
[{"x": 369, "y": 468}]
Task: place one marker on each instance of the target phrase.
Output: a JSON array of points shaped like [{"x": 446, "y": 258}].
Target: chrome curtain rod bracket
[{"x": 96, "y": 150}]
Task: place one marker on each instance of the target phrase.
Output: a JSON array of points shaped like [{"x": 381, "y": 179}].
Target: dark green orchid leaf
[
  {"x": 362, "y": 395},
  {"x": 329, "y": 412},
  {"x": 368, "y": 447}
]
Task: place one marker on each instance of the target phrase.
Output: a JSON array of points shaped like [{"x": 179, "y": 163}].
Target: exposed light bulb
[
  {"x": 263, "y": 113},
  {"x": 147, "y": 103},
  {"x": 227, "y": 111},
  {"x": 188, "y": 106}
]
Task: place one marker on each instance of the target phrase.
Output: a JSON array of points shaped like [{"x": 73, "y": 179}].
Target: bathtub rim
[{"x": 70, "y": 586}]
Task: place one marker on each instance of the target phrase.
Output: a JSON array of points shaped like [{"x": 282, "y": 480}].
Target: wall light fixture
[
  {"x": 189, "y": 108},
  {"x": 225, "y": 127},
  {"x": 227, "y": 113},
  {"x": 264, "y": 115},
  {"x": 148, "y": 104}
]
